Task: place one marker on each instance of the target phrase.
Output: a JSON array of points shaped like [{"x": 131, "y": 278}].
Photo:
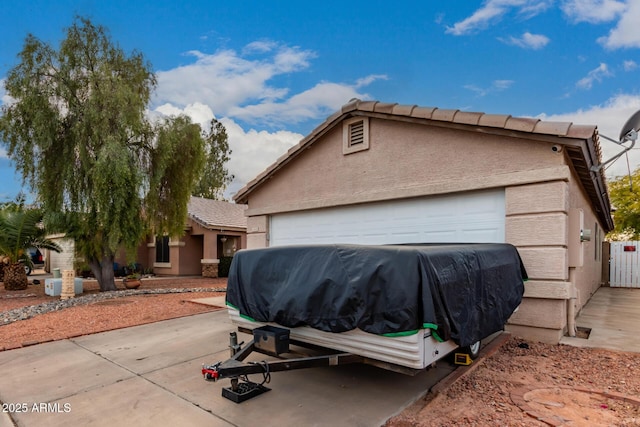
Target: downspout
[{"x": 571, "y": 307}]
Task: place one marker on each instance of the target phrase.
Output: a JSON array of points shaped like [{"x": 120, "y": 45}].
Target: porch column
[
  {"x": 210, "y": 267},
  {"x": 210, "y": 259}
]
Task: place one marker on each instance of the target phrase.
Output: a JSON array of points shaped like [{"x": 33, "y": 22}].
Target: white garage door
[{"x": 464, "y": 218}]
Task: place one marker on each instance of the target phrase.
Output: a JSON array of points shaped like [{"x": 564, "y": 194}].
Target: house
[
  {"x": 379, "y": 173},
  {"x": 214, "y": 229}
]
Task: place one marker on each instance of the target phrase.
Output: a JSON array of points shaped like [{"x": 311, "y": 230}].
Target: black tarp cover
[{"x": 463, "y": 292}]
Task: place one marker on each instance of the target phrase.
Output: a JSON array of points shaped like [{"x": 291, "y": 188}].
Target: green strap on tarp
[
  {"x": 415, "y": 331},
  {"x": 251, "y": 319}
]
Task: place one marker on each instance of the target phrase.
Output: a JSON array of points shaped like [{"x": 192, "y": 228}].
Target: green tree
[
  {"x": 625, "y": 199},
  {"x": 78, "y": 133},
  {"x": 20, "y": 229},
  {"x": 215, "y": 176},
  {"x": 14, "y": 205}
]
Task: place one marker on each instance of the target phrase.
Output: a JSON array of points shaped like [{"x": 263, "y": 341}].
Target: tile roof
[
  {"x": 574, "y": 136},
  {"x": 216, "y": 213}
]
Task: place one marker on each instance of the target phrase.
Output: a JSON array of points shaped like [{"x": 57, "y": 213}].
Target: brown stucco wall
[
  {"x": 198, "y": 252},
  {"x": 405, "y": 160},
  {"x": 536, "y": 222},
  {"x": 588, "y": 276},
  {"x": 190, "y": 255},
  {"x": 414, "y": 160}
]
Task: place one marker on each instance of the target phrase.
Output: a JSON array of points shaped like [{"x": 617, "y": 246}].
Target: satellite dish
[
  {"x": 632, "y": 126},
  {"x": 629, "y": 132}
]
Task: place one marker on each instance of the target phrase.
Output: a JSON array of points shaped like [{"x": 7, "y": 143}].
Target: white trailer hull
[{"x": 416, "y": 351}]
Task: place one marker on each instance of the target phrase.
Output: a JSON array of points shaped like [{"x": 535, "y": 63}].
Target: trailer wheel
[{"x": 472, "y": 350}]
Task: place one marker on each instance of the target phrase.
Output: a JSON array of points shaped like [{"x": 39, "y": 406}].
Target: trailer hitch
[
  {"x": 210, "y": 372},
  {"x": 270, "y": 341}
]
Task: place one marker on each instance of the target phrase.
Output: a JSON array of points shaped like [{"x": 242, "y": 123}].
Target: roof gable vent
[{"x": 355, "y": 135}]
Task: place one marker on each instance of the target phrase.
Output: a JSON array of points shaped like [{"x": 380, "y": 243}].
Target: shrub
[{"x": 223, "y": 267}]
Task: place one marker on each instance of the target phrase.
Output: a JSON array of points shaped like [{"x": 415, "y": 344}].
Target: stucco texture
[
  {"x": 404, "y": 159},
  {"x": 408, "y": 159}
]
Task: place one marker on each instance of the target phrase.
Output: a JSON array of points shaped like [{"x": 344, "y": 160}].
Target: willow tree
[
  {"x": 76, "y": 130},
  {"x": 215, "y": 177}
]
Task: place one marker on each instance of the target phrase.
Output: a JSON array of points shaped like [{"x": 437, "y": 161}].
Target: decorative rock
[{"x": 24, "y": 313}]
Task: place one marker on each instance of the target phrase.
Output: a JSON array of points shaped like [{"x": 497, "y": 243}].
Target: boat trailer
[{"x": 270, "y": 341}]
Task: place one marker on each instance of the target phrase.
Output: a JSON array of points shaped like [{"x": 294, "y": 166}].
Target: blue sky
[{"x": 272, "y": 71}]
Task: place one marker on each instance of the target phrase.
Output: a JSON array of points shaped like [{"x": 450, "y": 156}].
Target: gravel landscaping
[{"x": 29, "y": 311}]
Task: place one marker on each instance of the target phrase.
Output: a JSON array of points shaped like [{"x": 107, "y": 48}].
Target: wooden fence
[{"x": 624, "y": 264}]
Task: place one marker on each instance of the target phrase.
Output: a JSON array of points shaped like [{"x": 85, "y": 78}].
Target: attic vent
[{"x": 355, "y": 135}]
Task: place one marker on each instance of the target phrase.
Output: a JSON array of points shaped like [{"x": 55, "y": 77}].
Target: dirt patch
[
  {"x": 113, "y": 302},
  {"x": 576, "y": 406},
  {"x": 556, "y": 384},
  {"x": 100, "y": 316},
  {"x": 93, "y": 318},
  {"x": 35, "y": 294}
]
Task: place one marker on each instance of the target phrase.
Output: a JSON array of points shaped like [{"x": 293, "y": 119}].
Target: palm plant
[{"x": 20, "y": 229}]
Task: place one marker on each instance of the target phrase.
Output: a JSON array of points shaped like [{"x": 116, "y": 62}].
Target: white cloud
[
  {"x": 629, "y": 65},
  {"x": 199, "y": 113},
  {"x": 596, "y": 74},
  {"x": 321, "y": 100},
  {"x": 4, "y": 97},
  {"x": 609, "y": 117},
  {"x": 225, "y": 79},
  {"x": 592, "y": 11},
  {"x": 238, "y": 86},
  {"x": 625, "y": 34},
  {"x": 496, "y": 86},
  {"x": 366, "y": 81},
  {"x": 260, "y": 46},
  {"x": 528, "y": 41},
  {"x": 493, "y": 10},
  {"x": 235, "y": 87},
  {"x": 253, "y": 151},
  {"x": 3, "y": 153},
  {"x": 502, "y": 84}
]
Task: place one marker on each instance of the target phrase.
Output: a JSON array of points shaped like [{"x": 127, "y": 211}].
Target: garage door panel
[
  {"x": 484, "y": 235},
  {"x": 472, "y": 217}
]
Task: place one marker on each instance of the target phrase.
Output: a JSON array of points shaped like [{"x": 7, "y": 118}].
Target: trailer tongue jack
[{"x": 271, "y": 341}]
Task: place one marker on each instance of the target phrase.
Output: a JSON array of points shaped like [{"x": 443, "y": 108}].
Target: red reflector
[{"x": 629, "y": 248}]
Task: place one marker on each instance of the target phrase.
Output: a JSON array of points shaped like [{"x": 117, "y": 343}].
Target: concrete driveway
[{"x": 150, "y": 376}]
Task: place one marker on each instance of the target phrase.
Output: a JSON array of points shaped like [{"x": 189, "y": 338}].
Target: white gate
[{"x": 624, "y": 267}]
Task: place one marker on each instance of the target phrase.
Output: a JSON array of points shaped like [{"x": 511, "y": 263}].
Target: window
[
  {"x": 162, "y": 249},
  {"x": 355, "y": 135}
]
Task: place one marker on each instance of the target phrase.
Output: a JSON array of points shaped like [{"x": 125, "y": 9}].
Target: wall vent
[{"x": 355, "y": 135}]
